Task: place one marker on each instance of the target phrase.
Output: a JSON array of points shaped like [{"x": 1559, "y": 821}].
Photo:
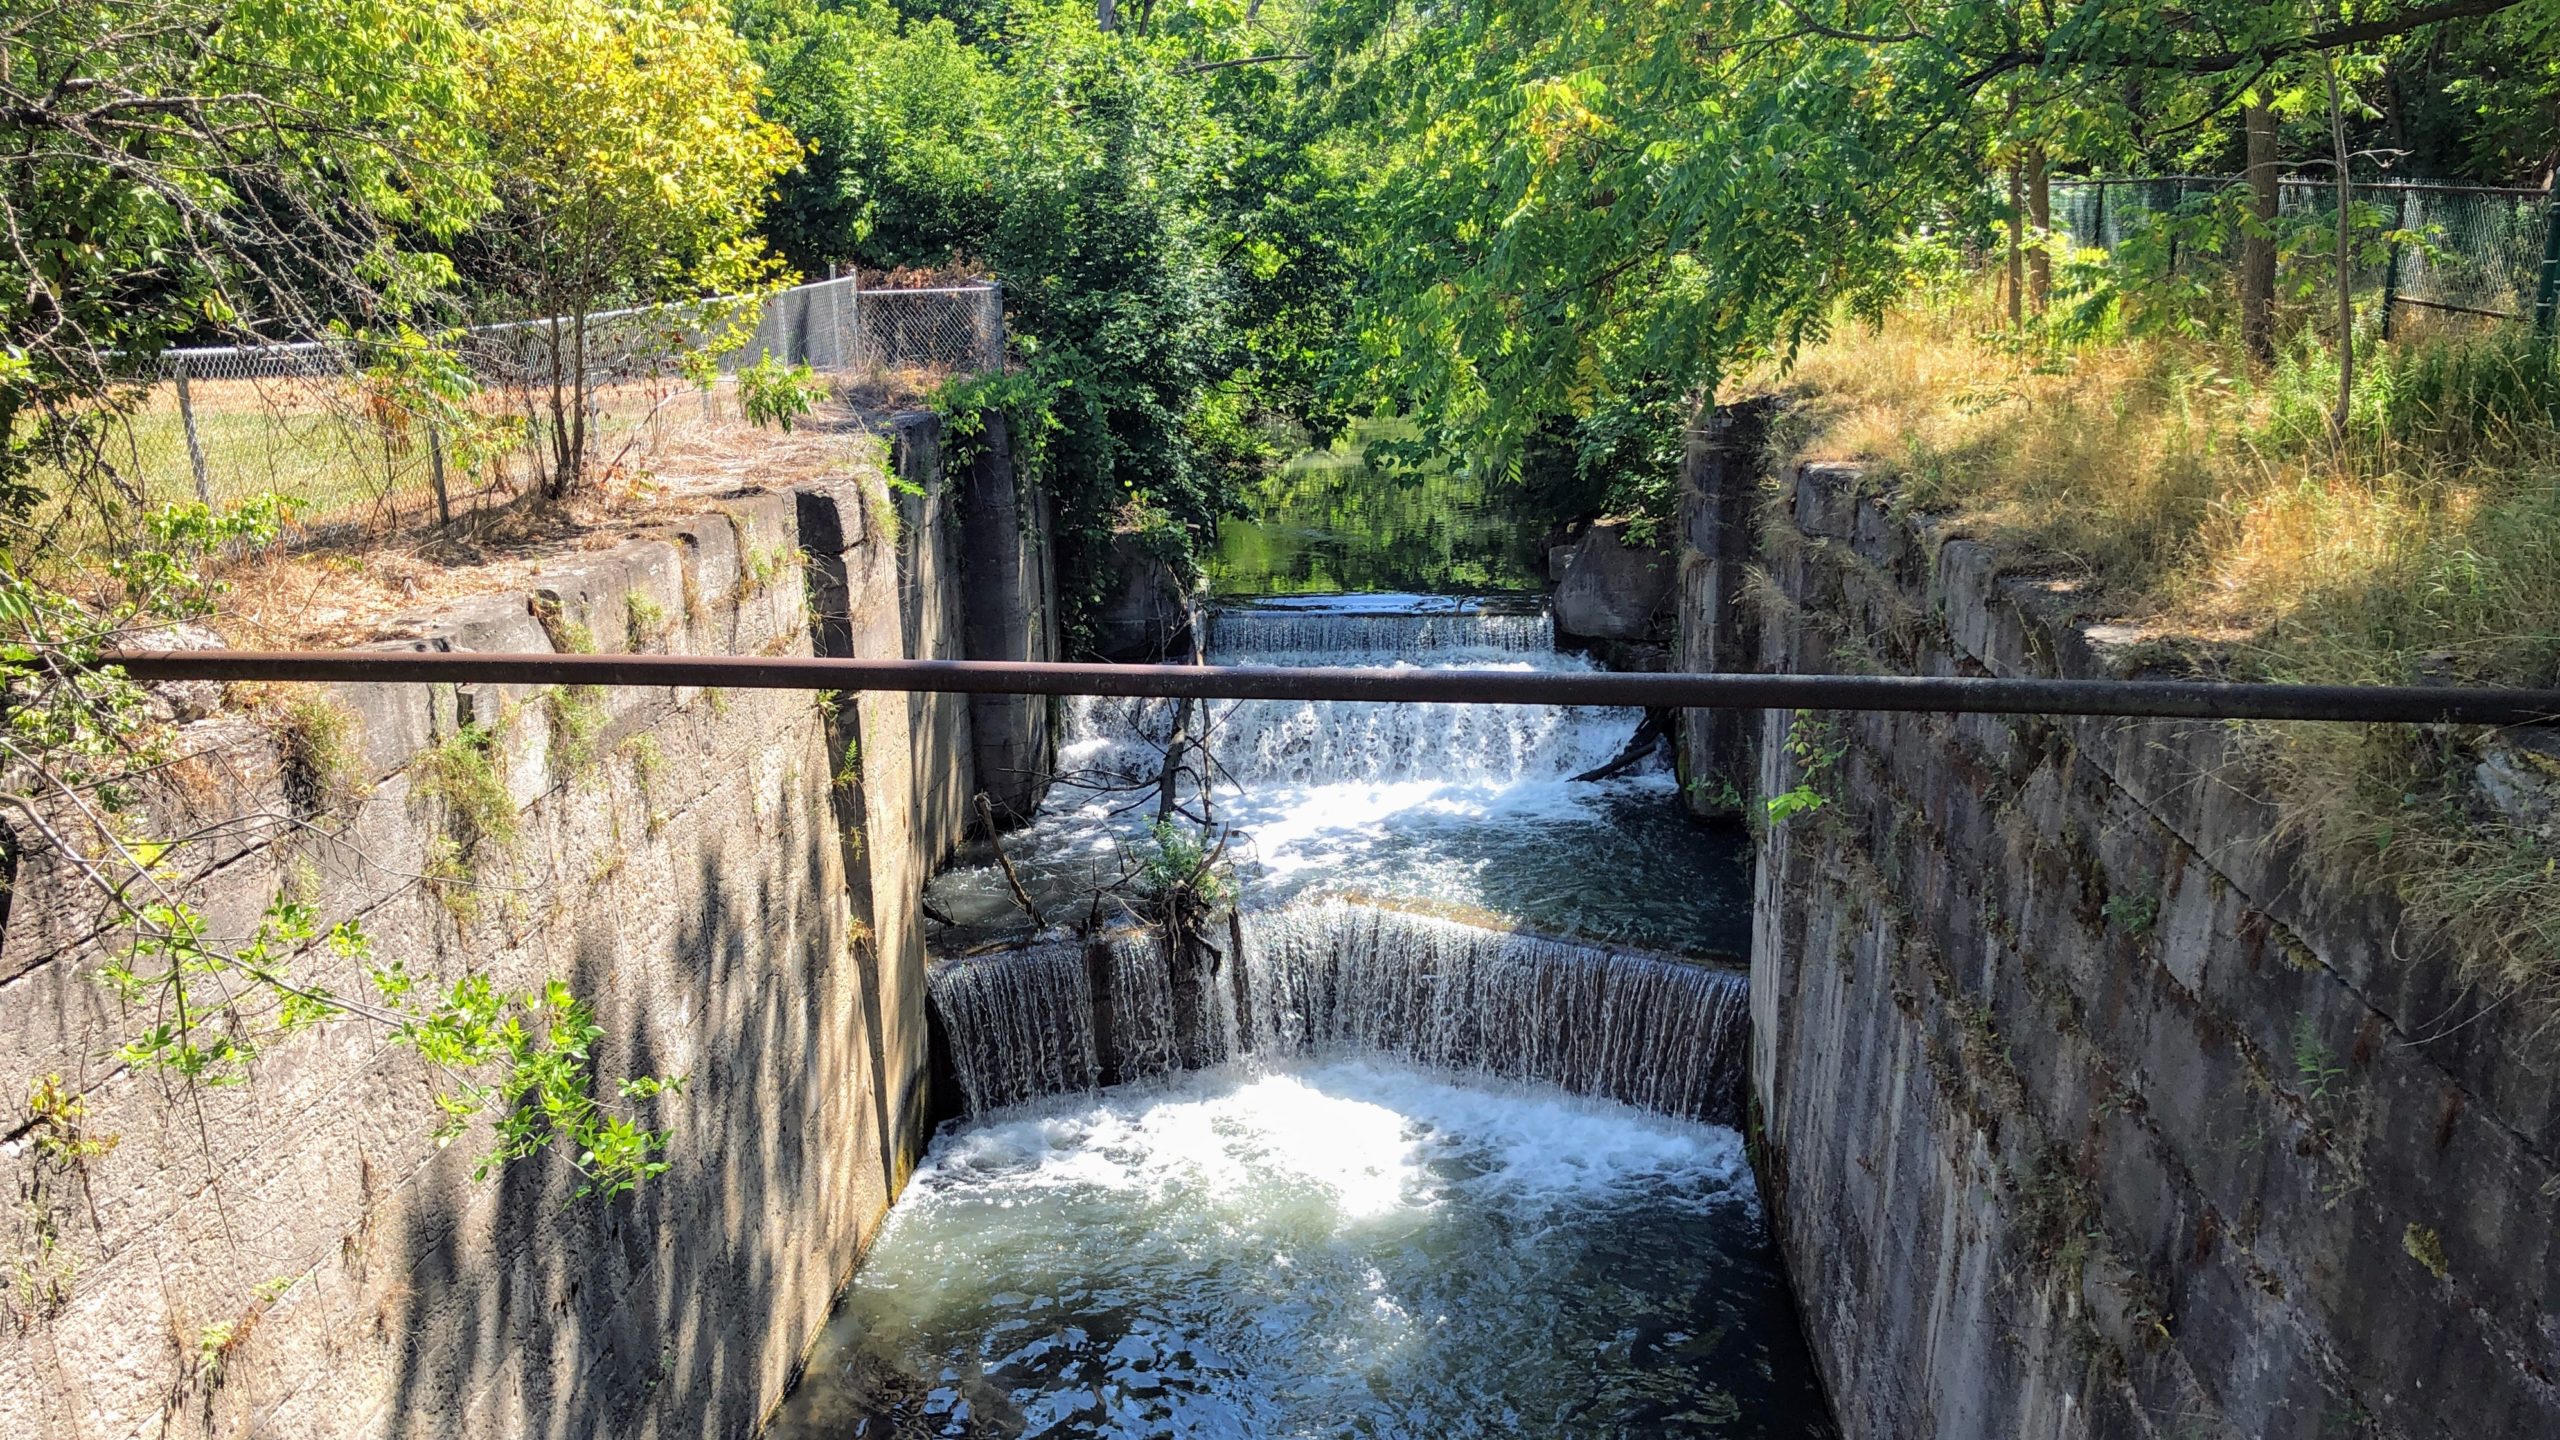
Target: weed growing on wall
[
  {"x": 204, "y": 1008},
  {"x": 578, "y": 715},
  {"x": 645, "y": 622},
  {"x": 1815, "y": 750},
  {"x": 462, "y": 770},
  {"x": 324, "y": 760}
]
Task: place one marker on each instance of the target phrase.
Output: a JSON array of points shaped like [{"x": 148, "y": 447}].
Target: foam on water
[
  {"x": 1472, "y": 805},
  {"x": 1351, "y": 1247}
]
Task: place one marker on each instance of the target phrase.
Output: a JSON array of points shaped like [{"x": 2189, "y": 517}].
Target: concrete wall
[
  {"x": 732, "y": 877},
  {"x": 1010, "y": 612},
  {"x": 2085, "y": 1107},
  {"x": 1720, "y": 469}
]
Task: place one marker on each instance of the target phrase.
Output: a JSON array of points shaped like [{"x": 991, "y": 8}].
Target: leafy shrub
[{"x": 773, "y": 394}]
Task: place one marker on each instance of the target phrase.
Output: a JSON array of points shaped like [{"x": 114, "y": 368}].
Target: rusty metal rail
[{"x": 2189, "y": 699}]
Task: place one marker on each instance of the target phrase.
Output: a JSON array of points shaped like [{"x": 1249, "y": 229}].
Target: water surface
[
  {"x": 1330, "y": 520},
  {"x": 1334, "y": 1248}
]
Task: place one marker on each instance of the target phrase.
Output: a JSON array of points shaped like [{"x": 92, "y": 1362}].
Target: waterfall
[
  {"x": 1298, "y": 742},
  {"x": 1355, "y": 783},
  {"x": 1019, "y": 1023},
  {"x": 1159, "y": 1017},
  {"x": 1251, "y": 636},
  {"x": 1304, "y": 742},
  {"x": 1335, "y": 976},
  {"x": 1657, "y": 1032}
]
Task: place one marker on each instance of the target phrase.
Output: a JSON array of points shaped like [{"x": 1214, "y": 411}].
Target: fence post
[
  {"x": 2391, "y": 263},
  {"x": 853, "y": 286},
  {"x": 2098, "y": 224},
  {"x": 2546, "y": 293},
  {"x": 435, "y": 472},
  {"x": 995, "y": 298},
  {"x": 195, "y": 446}
]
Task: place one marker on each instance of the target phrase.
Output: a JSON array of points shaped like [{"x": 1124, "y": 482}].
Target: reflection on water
[
  {"x": 1336, "y": 1249},
  {"x": 1329, "y": 520}
]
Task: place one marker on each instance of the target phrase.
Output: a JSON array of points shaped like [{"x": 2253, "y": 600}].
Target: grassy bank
[{"x": 2214, "y": 506}]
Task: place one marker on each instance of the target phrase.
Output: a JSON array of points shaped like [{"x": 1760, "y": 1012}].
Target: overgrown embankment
[
  {"x": 2089, "y": 1101},
  {"x": 2211, "y": 510}
]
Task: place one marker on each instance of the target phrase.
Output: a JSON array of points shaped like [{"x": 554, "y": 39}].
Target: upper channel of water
[{"x": 1470, "y": 807}]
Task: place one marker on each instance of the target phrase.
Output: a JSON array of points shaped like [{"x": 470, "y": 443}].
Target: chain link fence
[
  {"x": 328, "y": 426},
  {"x": 2463, "y": 249}
]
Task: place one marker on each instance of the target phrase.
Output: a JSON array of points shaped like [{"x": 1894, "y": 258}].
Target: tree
[
  {"x": 1574, "y": 203},
  {"x": 260, "y": 171},
  {"x": 206, "y": 168},
  {"x": 630, "y": 165},
  {"x": 1162, "y": 215}
]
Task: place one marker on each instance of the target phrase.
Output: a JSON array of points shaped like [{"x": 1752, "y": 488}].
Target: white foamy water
[
  {"x": 1336, "y": 1248},
  {"x": 1330, "y": 977},
  {"x": 1471, "y": 805}
]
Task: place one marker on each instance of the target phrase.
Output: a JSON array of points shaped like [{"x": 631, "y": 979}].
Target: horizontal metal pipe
[{"x": 2203, "y": 700}]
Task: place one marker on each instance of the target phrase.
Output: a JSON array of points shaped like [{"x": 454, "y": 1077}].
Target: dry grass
[
  {"x": 352, "y": 587},
  {"x": 2213, "y": 508}
]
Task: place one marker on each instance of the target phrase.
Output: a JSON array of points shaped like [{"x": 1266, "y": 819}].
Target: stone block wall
[
  {"x": 2086, "y": 1106},
  {"x": 732, "y": 877}
]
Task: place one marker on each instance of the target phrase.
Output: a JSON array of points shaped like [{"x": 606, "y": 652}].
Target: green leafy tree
[
  {"x": 630, "y": 164},
  {"x": 1576, "y": 206},
  {"x": 216, "y": 169},
  {"x": 1161, "y": 207},
  {"x": 77, "y": 739},
  {"x": 229, "y": 169}
]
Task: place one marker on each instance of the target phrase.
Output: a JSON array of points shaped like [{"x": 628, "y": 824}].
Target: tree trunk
[
  {"x": 1106, "y": 14},
  {"x": 2040, "y": 215},
  {"x": 578, "y": 436},
  {"x": 558, "y": 483},
  {"x": 2346, "y": 294},
  {"x": 2017, "y": 247},
  {"x": 2258, "y": 242}
]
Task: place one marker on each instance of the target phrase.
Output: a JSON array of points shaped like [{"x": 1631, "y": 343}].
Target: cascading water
[
  {"x": 1288, "y": 630},
  {"x": 1019, "y": 1023},
  {"x": 1354, "y": 1165},
  {"x": 1660, "y": 1033},
  {"x": 1468, "y": 805},
  {"x": 1328, "y": 977}
]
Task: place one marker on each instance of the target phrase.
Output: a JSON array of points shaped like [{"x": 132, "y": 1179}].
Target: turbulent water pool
[{"x": 1336, "y": 1248}]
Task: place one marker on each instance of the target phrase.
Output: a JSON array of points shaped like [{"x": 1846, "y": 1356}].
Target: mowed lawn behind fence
[{"x": 303, "y": 422}]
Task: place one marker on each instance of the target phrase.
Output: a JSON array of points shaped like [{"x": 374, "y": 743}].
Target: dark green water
[{"x": 1329, "y": 521}]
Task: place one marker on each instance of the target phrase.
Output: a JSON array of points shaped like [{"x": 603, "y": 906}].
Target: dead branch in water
[{"x": 1021, "y": 897}]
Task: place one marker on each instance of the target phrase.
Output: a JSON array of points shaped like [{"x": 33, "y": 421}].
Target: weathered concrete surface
[
  {"x": 2086, "y": 1109},
  {"x": 1010, "y": 598},
  {"x": 931, "y": 614},
  {"x": 1148, "y": 616},
  {"x": 731, "y": 877},
  {"x": 1720, "y": 482},
  {"x": 1607, "y": 588}
]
